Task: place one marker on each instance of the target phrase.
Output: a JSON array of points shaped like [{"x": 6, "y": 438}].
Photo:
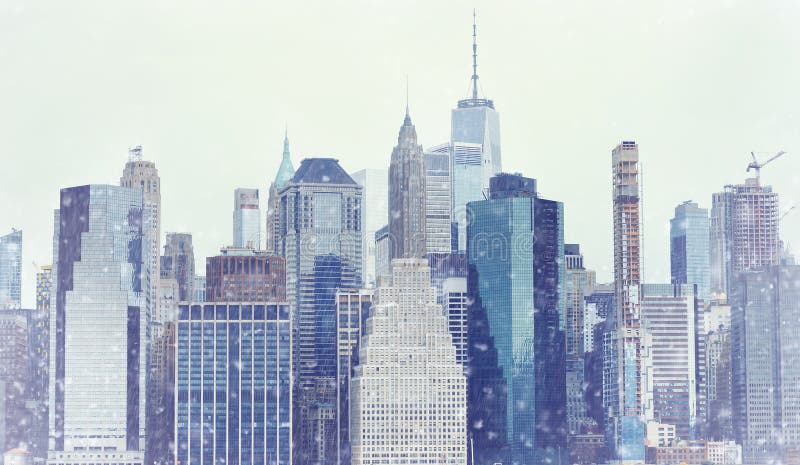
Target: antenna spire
[{"x": 474, "y": 56}]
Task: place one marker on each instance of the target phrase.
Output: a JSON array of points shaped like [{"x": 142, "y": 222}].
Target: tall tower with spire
[
  {"x": 284, "y": 174},
  {"x": 407, "y": 194},
  {"x": 475, "y": 145}
]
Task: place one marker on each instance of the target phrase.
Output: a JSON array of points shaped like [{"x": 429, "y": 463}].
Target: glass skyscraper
[
  {"x": 246, "y": 219},
  {"x": 475, "y": 145},
  {"x": 99, "y": 325},
  {"x": 515, "y": 242},
  {"x": 11, "y": 270},
  {"x": 689, "y": 247},
  {"x": 233, "y": 384},
  {"x": 437, "y": 199},
  {"x": 375, "y": 212},
  {"x": 320, "y": 238}
]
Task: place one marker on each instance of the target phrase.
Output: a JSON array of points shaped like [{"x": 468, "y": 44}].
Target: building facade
[
  {"x": 11, "y": 270},
  {"x": 178, "y": 263},
  {"x": 627, "y": 429},
  {"x": 375, "y": 212},
  {"x": 246, "y": 219},
  {"x": 689, "y": 247},
  {"x": 233, "y": 383},
  {"x": 14, "y": 379},
  {"x": 438, "y": 210},
  {"x": 516, "y": 273},
  {"x": 407, "y": 213},
  {"x": 245, "y": 275},
  {"x": 408, "y": 393},
  {"x": 744, "y": 232},
  {"x": 39, "y": 350},
  {"x": 668, "y": 352},
  {"x": 101, "y": 284},
  {"x": 320, "y": 239},
  {"x": 765, "y": 356}
]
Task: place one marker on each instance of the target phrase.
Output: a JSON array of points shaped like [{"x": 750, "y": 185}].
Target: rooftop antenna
[
  {"x": 474, "y": 56},
  {"x": 135, "y": 153}
]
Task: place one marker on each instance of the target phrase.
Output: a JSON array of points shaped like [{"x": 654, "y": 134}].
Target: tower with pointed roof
[
  {"x": 475, "y": 142},
  {"x": 283, "y": 176},
  {"x": 407, "y": 194}
]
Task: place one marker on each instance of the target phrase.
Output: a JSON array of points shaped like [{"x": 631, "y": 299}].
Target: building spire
[
  {"x": 407, "y": 120},
  {"x": 474, "y": 56}
]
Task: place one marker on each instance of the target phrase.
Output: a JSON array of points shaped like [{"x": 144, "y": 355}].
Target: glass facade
[
  {"x": 246, "y": 219},
  {"x": 11, "y": 270},
  {"x": 97, "y": 374},
  {"x": 233, "y": 384},
  {"x": 516, "y": 246},
  {"x": 689, "y": 247}
]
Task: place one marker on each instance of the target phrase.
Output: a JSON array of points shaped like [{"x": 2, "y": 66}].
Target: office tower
[
  {"x": 99, "y": 327},
  {"x": 456, "y": 305},
  {"x": 408, "y": 393},
  {"x": 487, "y": 393},
  {"x": 11, "y": 270},
  {"x": 475, "y": 142},
  {"x": 284, "y": 174},
  {"x": 178, "y": 263},
  {"x": 141, "y": 174},
  {"x": 515, "y": 274},
  {"x": 233, "y": 383},
  {"x": 375, "y": 212},
  {"x": 578, "y": 283},
  {"x": 14, "y": 379},
  {"x": 445, "y": 266},
  {"x": 246, "y": 219},
  {"x": 352, "y": 311},
  {"x": 628, "y": 434},
  {"x": 437, "y": 199},
  {"x": 383, "y": 254},
  {"x": 320, "y": 238},
  {"x": 245, "y": 275},
  {"x": 718, "y": 372},
  {"x": 39, "y": 340},
  {"x": 199, "y": 289},
  {"x": 161, "y": 381},
  {"x": 668, "y": 321},
  {"x": 407, "y": 195},
  {"x": 765, "y": 355},
  {"x": 598, "y": 306},
  {"x": 744, "y": 232},
  {"x": 689, "y": 247}
]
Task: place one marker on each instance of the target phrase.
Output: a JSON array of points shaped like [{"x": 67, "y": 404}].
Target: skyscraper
[
  {"x": 352, "y": 311},
  {"x": 744, "y": 232},
  {"x": 407, "y": 195},
  {"x": 141, "y": 174},
  {"x": 628, "y": 430},
  {"x": 408, "y": 393},
  {"x": 245, "y": 275},
  {"x": 475, "y": 143},
  {"x": 668, "y": 318},
  {"x": 99, "y": 327},
  {"x": 284, "y": 175},
  {"x": 233, "y": 383},
  {"x": 246, "y": 219},
  {"x": 39, "y": 339},
  {"x": 437, "y": 199},
  {"x": 579, "y": 281},
  {"x": 689, "y": 247},
  {"x": 14, "y": 379},
  {"x": 178, "y": 263},
  {"x": 765, "y": 355},
  {"x": 320, "y": 238},
  {"x": 374, "y": 214},
  {"x": 516, "y": 274},
  {"x": 11, "y": 270}
]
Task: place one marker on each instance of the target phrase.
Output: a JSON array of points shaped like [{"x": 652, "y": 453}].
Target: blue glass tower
[
  {"x": 515, "y": 242},
  {"x": 11, "y": 270},
  {"x": 689, "y": 247},
  {"x": 233, "y": 384}
]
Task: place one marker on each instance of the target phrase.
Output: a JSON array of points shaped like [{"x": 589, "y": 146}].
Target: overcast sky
[{"x": 207, "y": 87}]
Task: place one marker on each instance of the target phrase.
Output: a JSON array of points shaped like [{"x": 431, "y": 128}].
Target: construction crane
[
  {"x": 757, "y": 166},
  {"x": 787, "y": 212}
]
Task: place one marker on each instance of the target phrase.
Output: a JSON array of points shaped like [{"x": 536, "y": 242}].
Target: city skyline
[{"x": 671, "y": 104}]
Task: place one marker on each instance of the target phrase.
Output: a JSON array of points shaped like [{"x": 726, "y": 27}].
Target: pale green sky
[{"x": 206, "y": 88}]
